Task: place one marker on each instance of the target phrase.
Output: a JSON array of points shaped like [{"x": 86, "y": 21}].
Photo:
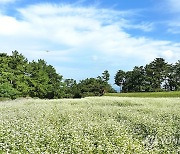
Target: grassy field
[
  {"x": 90, "y": 125},
  {"x": 146, "y": 94}
]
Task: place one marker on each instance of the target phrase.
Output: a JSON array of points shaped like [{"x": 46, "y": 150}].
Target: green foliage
[
  {"x": 155, "y": 76},
  {"x": 71, "y": 89},
  {"x": 44, "y": 82},
  {"x": 95, "y": 86},
  {"x": 105, "y": 76},
  {"x": 155, "y": 72},
  {"x": 177, "y": 75},
  {"x": 91, "y": 87},
  {"x": 7, "y": 91},
  {"x": 120, "y": 78},
  {"x": 18, "y": 78}
]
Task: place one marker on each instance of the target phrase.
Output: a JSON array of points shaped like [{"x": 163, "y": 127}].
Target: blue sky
[{"x": 86, "y": 37}]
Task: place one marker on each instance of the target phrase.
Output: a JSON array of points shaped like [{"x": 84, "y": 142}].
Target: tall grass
[{"x": 90, "y": 125}]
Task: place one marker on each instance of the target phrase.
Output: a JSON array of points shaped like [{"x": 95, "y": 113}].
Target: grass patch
[
  {"x": 4, "y": 99},
  {"x": 146, "y": 94}
]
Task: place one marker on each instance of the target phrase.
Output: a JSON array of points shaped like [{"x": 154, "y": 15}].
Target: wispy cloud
[
  {"x": 174, "y": 25},
  {"x": 173, "y": 5},
  {"x": 144, "y": 26},
  {"x": 7, "y": 1}
]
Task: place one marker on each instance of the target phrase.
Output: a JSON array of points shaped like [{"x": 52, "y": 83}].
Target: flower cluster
[{"x": 90, "y": 125}]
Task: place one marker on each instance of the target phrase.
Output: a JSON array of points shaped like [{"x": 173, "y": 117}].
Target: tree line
[
  {"x": 21, "y": 78},
  {"x": 156, "y": 76}
]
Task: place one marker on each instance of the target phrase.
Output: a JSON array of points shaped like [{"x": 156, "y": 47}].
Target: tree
[
  {"x": 95, "y": 86},
  {"x": 13, "y": 69},
  {"x": 135, "y": 80},
  {"x": 139, "y": 78},
  {"x": 34, "y": 79},
  {"x": 120, "y": 78},
  {"x": 155, "y": 74},
  {"x": 105, "y": 76},
  {"x": 18, "y": 64},
  {"x": 90, "y": 87},
  {"x": 128, "y": 82},
  {"x": 71, "y": 89},
  {"x": 7, "y": 91},
  {"x": 44, "y": 81},
  {"x": 177, "y": 75},
  {"x": 169, "y": 83},
  {"x": 6, "y": 78}
]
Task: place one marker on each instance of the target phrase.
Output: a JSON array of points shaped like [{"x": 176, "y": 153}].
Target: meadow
[
  {"x": 90, "y": 125},
  {"x": 146, "y": 94}
]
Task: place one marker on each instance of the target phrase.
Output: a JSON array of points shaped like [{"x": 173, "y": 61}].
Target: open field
[
  {"x": 146, "y": 94},
  {"x": 90, "y": 125}
]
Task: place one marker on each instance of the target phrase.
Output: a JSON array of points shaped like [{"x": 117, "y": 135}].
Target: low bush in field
[{"x": 90, "y": 125}]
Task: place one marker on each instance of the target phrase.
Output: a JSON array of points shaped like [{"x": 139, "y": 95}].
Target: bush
[
  {"x": 77, "y": 95},
  {"x": 7, "y": 91}
]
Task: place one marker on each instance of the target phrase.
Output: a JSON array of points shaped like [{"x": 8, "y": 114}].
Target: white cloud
[
  {"x": 7, "y": 1},
  {"x": 79, "y": 35},
  {"x": 10, "y": 26},
  {"x": 174, "y": 30},
  {"x": 174, "y": 5},
  {"x": 168, "y": 54},
  {"x": 174, "y": 26},
  {"x": 144, "y": 26}
]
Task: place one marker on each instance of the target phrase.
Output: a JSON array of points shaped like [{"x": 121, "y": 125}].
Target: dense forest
[
  {"x": 20, "y": 78},
  {"x": 155, "y": 76}
]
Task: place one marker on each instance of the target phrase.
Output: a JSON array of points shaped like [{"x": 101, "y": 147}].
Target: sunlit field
[
  {"x": 146, "y": 94},
  {"x": 90, "y": 125}
]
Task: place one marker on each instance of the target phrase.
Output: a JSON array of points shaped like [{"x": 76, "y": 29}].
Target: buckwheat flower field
[{"x": 90, "y": 125}]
